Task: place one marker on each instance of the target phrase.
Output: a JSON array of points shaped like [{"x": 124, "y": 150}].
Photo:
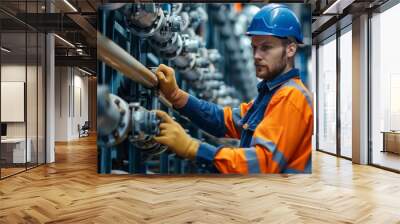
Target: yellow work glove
[
  {"x": 174, "y": 136},
  {"x": 169, "y": 88}
]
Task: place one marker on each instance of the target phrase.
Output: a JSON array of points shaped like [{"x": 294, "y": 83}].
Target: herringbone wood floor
[{"x": 70, "y": 191}]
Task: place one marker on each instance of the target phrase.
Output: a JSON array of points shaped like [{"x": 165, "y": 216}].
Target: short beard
[{"x": 278, "y": 69}]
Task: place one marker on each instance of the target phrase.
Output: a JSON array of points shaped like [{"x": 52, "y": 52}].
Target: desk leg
[{"x": 384, "y": 142}]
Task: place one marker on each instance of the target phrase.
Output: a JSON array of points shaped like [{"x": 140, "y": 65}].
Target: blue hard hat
[{"x": 276, "y": 20}]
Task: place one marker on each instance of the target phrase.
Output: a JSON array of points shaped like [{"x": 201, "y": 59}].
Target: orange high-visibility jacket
[{"x": 275, "y": 129}]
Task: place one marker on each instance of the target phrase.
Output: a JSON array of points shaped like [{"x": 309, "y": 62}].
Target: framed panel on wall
[{"x": 12, "y": 101}]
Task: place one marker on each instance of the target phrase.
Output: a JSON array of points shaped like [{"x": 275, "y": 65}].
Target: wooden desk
[{"x": 391, "y": 141}]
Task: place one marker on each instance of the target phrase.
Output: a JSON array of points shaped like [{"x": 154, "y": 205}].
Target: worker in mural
[{"x": 274, "y": 129}]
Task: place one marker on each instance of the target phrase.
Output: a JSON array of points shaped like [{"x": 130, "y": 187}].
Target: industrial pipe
[{"x": 116, "y": 57}]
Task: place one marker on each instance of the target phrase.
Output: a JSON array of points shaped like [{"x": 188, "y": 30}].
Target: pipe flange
[
  {"x": 177, "y": 8},
  {"x": 150, "y": 147},
  {"x": 183, "y": 60},
  {"x": 145, "y": 125},
  {"x": 192, "y": 74},
  {"x": 187, "y": 65},
  {"x": 163, "y": 44},
  {"x": 118, "y": 135},
  {"x": 144, "y": 122},
  {"x": 147, "y": 31},
  {"x": 174, "y": 51},
  {"x": 170, "y": 49}
]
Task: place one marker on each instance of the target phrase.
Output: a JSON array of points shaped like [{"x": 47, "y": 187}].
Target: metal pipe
[
  {"x": 116, "y": 57},
  {"x": 164, "y": 101}
]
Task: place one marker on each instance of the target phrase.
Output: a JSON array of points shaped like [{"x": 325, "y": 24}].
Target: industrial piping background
[{"x": 117, "y": 58}]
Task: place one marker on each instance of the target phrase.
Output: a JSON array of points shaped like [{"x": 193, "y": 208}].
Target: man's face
[{"x": 269, "y": 55}]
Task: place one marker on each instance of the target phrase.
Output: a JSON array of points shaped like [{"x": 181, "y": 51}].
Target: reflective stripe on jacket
[{"x": 275, "y": 129}]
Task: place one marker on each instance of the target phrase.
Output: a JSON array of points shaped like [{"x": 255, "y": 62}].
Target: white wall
[
  {"x": 71, "y": 94},
  {"x": 33, "y": 127},
  {"x": 16, "y": 73},
  {"x": 12, "y": 73},
  {"x": 80, "y": 102},
  {"x": 61, "y": 103}
]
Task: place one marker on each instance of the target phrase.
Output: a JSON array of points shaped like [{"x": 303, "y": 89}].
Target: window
[
  {"x": 346, "y": 92},
  {"x": 385, "y": 89},
  {"x": 327, "y": 95},
  {"x": 22, "y": 76}
]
